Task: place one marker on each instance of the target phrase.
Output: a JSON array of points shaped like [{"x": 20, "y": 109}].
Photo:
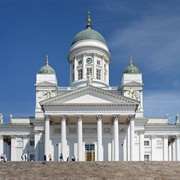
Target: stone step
[{"x": 90, "y": 170}]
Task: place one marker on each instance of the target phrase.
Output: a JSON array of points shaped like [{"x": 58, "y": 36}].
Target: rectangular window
[
  {"x": 31, "y": 157},
  {"x": 79, "y": 62},
  {"x": 79, "y": 74},
  {"x": 98, "y": 62},
  {"x": 89, "y": 71},
  {"x": 98, "y": 74},
  {"x": 146, "y": 143},
  {"x": 31, "y": 143},
  {"x": 146, "y": 157}
]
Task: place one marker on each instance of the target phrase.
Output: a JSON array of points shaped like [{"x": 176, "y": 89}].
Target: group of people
[
  {"x": 24, "y": 157},
  {"x": 60, "y": 157}
]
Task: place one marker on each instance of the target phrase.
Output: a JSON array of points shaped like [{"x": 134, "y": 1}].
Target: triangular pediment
[
  {"x": 133, "y": 83},
  {"x": 88, "y": 95}
]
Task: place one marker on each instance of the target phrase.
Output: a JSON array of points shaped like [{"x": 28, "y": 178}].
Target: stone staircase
[{"x": 90, "y": 170}]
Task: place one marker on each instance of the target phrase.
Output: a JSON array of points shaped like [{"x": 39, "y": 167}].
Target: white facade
[{"x": 90, "y": 119}]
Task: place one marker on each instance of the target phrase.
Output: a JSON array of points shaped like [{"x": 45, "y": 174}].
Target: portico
[{"x": 76, "y": 131}]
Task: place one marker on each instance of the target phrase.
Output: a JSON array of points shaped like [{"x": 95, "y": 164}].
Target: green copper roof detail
[
  {"x": 88, "y": 33},
  {"x": 131, "y": 68},
  {"x": 47, "y": 69}
]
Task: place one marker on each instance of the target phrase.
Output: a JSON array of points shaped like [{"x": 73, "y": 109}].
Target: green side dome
[
  {"x": 47, "y": 69},
  {"x": 131, "y": 68},
  {"x": 88, "y": 33}
]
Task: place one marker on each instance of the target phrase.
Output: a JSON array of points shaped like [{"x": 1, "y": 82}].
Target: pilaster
[
  {"x": 141, "y": 145},
  {"x": 153, "y": 148},
  {"x": 165, "y": 148},
  {"x": 13, "y": 148},
  {"x": 36, "y": 144}
]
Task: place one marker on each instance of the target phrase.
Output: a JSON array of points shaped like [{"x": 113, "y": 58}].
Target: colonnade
[{"x": 115, "y": 144}]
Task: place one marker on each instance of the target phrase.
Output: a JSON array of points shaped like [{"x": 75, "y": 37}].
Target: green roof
[
  {"x": 131, "y": 68},
  {"x": 88, "y": 33},
  {"x": 47, "y": 69}
]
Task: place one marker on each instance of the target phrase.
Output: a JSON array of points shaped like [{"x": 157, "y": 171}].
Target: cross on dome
[
  {"x": 47, "y": 63},
  {"x": 89, "y": 20}
]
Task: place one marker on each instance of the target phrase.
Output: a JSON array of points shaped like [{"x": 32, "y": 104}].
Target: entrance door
[{"x": 89, "y": 153}]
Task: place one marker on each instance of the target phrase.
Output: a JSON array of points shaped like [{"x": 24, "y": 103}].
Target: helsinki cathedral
[{"x": 90, "y": 119}]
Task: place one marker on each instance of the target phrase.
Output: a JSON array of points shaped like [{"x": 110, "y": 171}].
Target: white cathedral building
[{"x": 90, "y": 119}]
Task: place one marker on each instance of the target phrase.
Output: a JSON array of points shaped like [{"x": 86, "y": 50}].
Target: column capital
[
  {"x": 36, "y": 132},
  {"x": 177, "y": 135},
  {"x": 140, "y": 132},
  {"x": 63, "y": 117},
  {"x": 79, "y": 116},
  {"x": 25, "y": 136},
  {"x": 153, "y": 136},
  {"x": 47, "y": 117},
  {"x": 131, "y": 116},
  {"x": 165, "y": 136},
  {"x": 99, "y": 116},
  {"x": 115, "y": 116},
  {"x": 13, "y": 136}
]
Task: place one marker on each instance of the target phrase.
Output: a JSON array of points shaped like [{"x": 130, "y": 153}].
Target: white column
[
  {"x": 112, "y": 143},
  {"x": 13, "y": 148},
  {"x": 153, "y": 148},
  {"x": 177, "y": 148},
  {"x": 170, "y": 152},
  {"x": 131, "y": 137},
  {"x": 174, "y": 150},
  {"x": 99, "y": 138},
  {"x": 141, "y": 145},
  {"x": 25, "y": 144},
  {"x": 1, "y": 145},
  {"x": 124, "y": 148},
  {"x": 36, "y": 145},
  {"x": 80, "y": 138},
  {"x": 46, "y": 150},
  {"x": 63, "y": 136},
  {"x": 116, "y": 138},
  {"x": 128, "y": 142},
  {"x": 165, "y": 148}
]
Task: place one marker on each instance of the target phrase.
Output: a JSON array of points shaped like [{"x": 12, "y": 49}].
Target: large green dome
[
  {"x": 131, "y": 68},
  {"x": 88, "y": 33},
  {"x": 47, "y": 69}
]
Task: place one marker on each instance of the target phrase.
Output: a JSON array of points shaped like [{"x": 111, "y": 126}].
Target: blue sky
[{"x": 147, "y": 30}]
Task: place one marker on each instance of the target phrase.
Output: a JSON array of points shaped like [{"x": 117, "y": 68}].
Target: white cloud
[{"x": 153, "y": 38}]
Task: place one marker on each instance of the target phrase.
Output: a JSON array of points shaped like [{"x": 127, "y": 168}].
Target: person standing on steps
[
  {"x": 61, "y": 157},
  {"x": 22, "y": 157},
  {"x": 44, "y": 158}
]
